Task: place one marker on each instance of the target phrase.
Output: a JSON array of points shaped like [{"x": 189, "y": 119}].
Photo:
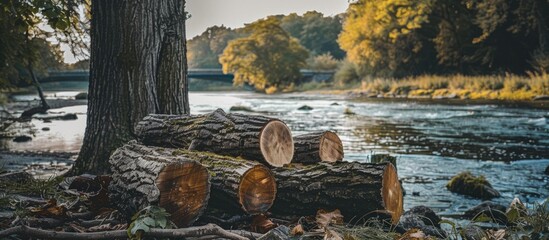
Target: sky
[{"x": 235, "y": 13}]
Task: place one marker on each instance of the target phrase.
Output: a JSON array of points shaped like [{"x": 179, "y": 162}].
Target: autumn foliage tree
[
  {"x": 397, "y": 38},
  {"x": 268, "y": 59}
]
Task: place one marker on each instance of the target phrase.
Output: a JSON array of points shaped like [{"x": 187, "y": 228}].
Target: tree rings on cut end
[
  {"x": 257, "y": 190},
  {"x": 331, "y": 148},
  {"x": 392, "y": 193},
  {"x": 276, "y": 143},
  {"x": 184, "y": 191}
]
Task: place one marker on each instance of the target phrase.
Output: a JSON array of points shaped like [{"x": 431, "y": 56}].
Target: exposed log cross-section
[
  {"x": 359, "y": 190},
  {"x": 317, "y": 147},
  {"x": 251, "y": 137},
  {"x": 143, "y": 177}
]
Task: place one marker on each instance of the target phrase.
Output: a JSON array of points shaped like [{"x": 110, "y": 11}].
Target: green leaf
[
  {"x": 149, "y": 221},
  {"x": 512, "y": 215},
  {"x": 139, "y": 226},
  {"x": 162, "y": 222},
  {"x": 482, "y": 218}
]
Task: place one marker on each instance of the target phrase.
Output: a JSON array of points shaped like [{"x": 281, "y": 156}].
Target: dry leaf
[
  {"x": 297, "y": 230},
  {"x": 50, "y": 209},
  {"x": 497, "y": 235},
  {"x": 331, "y": 235},
  {"x": 325, "y": 219},
  {"x": 413, "y": 234},
  {"x": 262, "y": 224}
]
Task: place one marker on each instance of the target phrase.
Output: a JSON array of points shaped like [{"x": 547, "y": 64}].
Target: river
[{"x": 433, "y": 140}]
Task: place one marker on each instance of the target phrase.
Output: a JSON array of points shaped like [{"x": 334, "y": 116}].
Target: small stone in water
[
  {"x": 45, "y": 129},
  {"x": 305, "y": 108},
  {"x": 547, "y": 170},
  {"x": 415, "y": 193},
  {"x": 467, "y": 184},
  {"x": 22, "y": 138}
]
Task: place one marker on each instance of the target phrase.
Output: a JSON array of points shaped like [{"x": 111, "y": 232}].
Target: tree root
[{"x": 208, "y": 230}]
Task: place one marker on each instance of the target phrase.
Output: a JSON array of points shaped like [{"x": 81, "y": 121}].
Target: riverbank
[{"x": 490, "y": 87}]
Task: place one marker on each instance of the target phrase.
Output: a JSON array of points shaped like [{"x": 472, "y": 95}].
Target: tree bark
[
  {"x": 251, "y": 137},
  {"x": 137, "y": 67},
  {"x": 358, "y": 190},
  {"x": 237, "y": 185},
  {"x": 142, "y": 177},
  {"x": 317, "y": 147}
]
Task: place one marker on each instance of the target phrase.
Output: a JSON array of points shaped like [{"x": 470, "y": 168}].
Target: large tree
[
  {"x": 269, "y": 58},
  {"x": 138, "y": 66}
]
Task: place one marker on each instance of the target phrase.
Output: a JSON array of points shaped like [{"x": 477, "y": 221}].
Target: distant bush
[
  {"x": 322, "y": 62},
  {"x": 346, "y": 74}
]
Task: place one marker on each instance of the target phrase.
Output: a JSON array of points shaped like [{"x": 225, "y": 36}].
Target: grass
[
  {"x": 35, "y": 187},
  {"x": 492, "y": 87}
]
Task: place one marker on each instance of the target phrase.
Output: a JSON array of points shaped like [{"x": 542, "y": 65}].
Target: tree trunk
[
  {"x": 142, "y": 177},
  {"x": 237, "y": 185},
  {"x": 43, "y": 108},
  {"x": 317, "y": 147},
  {"x": 358, "y": 190},
  {"x": 38, "y": 87},
  {"x": 252, "y": 137},
  {"x": 137, "y": 67}
]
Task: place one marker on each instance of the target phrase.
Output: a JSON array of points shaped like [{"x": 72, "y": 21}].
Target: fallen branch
[{"x": 206, "y": 230}]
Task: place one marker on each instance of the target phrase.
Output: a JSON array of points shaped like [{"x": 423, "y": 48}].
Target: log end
[
  {"x": 331, "y": 148},
  {"x": 257, "y": 190},
  {"x": 276, "y": 143},
  {"x": 184, "y": 191},
  {"x": 392, "y": 193}
]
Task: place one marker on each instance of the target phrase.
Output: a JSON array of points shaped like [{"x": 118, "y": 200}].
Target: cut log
[
  {"x": 317, "y": 147},
  {"x": 251, "y": 137},
  {"x": 237, "y": 185},
  {"x": 359, "y": 190},
  {"x": 141, "y": 177}
]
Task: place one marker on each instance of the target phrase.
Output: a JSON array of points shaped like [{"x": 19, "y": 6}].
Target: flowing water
[{"x": 432, "y": 140}]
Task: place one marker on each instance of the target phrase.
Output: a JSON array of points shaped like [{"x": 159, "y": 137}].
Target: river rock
[
  {"x": 68, "y": 116},
  {"x": 305, "y": 108},
  {"x": 472, "y": 232},
  {"x": 22, "y": 138},
  {"x": 547, "y": 170},
  {"x": 81, "y": 96},
  {"x": 492, "y": 210},
  {"x": 240, "y": 109},
  {"x": 422, "y": 218},
  {"x": 467, "y": 184},
  {"x": 348, "y": 111}
]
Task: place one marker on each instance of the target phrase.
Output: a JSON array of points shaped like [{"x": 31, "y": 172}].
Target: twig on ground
[{"x": 202, "y": 231}]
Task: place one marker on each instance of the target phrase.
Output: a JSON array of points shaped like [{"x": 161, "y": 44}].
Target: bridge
[{"x": 202, "y": 73}]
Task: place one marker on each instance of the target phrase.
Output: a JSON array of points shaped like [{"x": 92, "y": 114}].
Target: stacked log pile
[{"x": 246, "y": 164}]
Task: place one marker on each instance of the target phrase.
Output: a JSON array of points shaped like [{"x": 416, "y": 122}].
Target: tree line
[
  {"x": 384, "y": 38},
  {"x": 269, "y": 52},
  {"x": 391, "y": 38}
]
